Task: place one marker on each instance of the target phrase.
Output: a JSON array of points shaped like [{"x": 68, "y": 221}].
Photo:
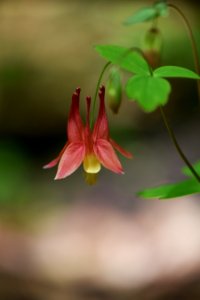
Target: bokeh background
[{"x": 64, "y": 239}]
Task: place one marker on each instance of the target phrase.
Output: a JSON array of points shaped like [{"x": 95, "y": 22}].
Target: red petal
[
  {"x": 101, "y": 126},
  {"x": 56, "y": 160},
  {"x": 70, "y": 160},
  {"x": 88, "y": 100},
  {"x": 120, "y": 149},
  {"x": 107, "y": 157},
  {"x": 75, "y": 125}
]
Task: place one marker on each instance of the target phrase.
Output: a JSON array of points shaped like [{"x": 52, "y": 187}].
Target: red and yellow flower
[{"x": 93, "y": 148}]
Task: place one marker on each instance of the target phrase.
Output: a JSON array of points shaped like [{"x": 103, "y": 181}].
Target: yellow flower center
[{"x": 91, "y": 164}]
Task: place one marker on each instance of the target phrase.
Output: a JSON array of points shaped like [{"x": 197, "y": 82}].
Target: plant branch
[
  {"x": 193, "y": 43},
  {"x": 177, "y": 146},
  {"x": 96, "y": 91}
]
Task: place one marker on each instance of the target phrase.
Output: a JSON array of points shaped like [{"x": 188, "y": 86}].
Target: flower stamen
[{"x": 91, "y": 164}]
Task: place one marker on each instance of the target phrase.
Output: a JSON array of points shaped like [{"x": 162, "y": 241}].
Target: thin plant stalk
[
  {"x": 173, "y": 137},
  {"x": 178, "y": 148},
  {"x": 96, "y": 91},
  {"x": 193, "y": 43}
]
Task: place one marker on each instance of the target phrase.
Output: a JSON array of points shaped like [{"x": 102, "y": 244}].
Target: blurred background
[{"x": 64, "y": 239}]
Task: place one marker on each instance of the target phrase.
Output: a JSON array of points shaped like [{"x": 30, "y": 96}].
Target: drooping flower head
[{"x": 92, "y": 148}]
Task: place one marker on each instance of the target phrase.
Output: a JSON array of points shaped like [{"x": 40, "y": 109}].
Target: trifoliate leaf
[
  {"x": 187, "y": 171},
  {"x": 173, "y": 71},
  {"x": 126, "y": 58},
  {"x": 150, "y": 92},
  {"x": 167, "y": 191}
]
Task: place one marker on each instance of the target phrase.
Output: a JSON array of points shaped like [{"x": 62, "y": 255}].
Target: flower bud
[
  {"x": 152, "y": 45},
  {"x": 114, "y": 90}
]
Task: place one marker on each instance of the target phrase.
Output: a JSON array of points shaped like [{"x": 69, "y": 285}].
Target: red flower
[{"x": 93, "y": 148}]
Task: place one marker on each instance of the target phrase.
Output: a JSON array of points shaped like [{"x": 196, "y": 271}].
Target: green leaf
[
  {"x": 167, "y": 191},
  {"x": 142, "y": 15},
  {"x": 187, "y": 171},
  {"x": 173, "y": 71},
  {"x": 149, "y": 92},
  {"x": 126, "y": 58},
  {"x": 148, "y": 13},
  {"x": 162, "y": 8}
]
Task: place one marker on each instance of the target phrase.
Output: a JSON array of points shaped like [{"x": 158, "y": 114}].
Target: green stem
[
  {"x": 193, "y": 43},
  {"x": 178, "y": 148},
  {"x": 101, "y": 75},
  {"x": 96, "y": 91},
  {"x": 173, "y": 137}
]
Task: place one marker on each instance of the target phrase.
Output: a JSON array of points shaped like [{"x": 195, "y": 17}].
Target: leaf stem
[
  {"x": 96, "y": 91},
  {"x": 177, "y": 146},
  {"x": 193, "y": 43}
]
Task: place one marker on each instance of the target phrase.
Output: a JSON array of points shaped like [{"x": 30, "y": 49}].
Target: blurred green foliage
[{"x": 13, "y": 173}]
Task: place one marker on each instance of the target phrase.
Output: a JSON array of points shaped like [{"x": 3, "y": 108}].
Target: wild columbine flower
[{"x": 93, "y": 148}]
